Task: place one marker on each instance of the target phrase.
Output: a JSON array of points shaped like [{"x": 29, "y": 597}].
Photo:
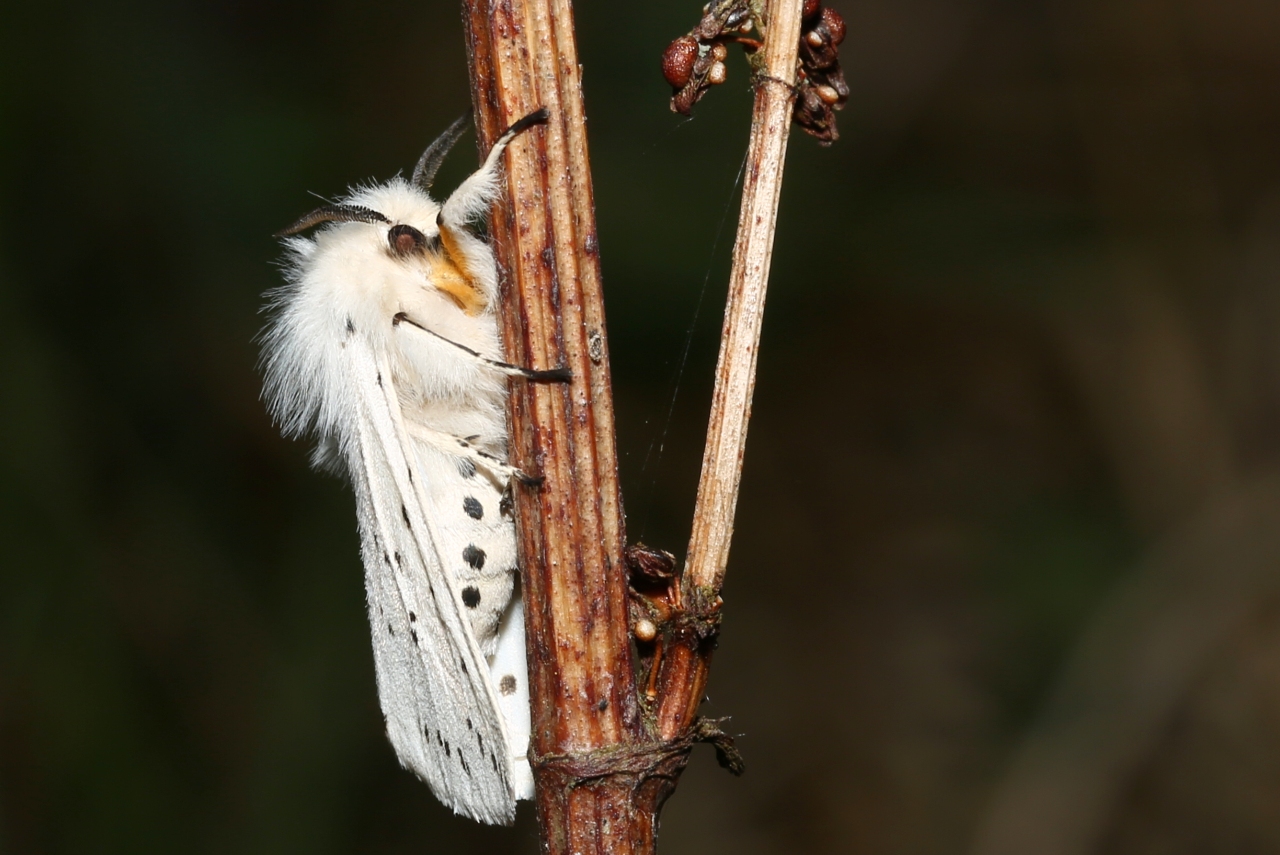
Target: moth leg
[
  {"x": 473, "y": 195},
  {"x": 465, "y": 450},
  {"x": 472, "y": 256},
  {"x": 552, "y": 375}
]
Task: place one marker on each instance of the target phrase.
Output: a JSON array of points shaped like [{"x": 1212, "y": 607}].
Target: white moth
[{"x": 384, "y": 343}]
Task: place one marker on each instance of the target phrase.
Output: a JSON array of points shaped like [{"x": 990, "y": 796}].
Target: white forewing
[{"x": 433, "y": 680}]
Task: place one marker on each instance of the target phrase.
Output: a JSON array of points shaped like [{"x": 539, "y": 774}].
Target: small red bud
[
  {"x": 678, "y": 59},
  {"x": 835, "y": 25}
]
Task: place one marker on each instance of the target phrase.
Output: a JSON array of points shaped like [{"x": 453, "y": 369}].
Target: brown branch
[
  {"x": 603, "y": 761},
  {"x": 586, "y": 723},
  {"x": 684, "y": 667}
]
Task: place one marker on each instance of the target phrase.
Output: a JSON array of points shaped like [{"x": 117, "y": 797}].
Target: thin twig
[
  {"x": 740, "y": 339},
  {"x": 684, "y": 668}
]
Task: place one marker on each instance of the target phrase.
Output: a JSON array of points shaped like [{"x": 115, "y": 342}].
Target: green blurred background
[{"x": 1007, "y": 571}]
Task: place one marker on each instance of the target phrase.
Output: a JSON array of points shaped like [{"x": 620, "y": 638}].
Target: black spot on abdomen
[
  {"x": 474, "y": 556},
  {"x": 472, "y": 508},
  {"x": 471, "y": 596}
]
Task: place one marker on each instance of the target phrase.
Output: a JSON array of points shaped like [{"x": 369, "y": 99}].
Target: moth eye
[{"x": 405, "y": 240}]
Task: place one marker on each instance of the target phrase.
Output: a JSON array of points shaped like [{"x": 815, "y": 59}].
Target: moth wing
[{"x": 442, "y": 712}]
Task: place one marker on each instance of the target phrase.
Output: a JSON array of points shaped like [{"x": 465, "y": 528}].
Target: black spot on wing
[
  {"x": 404, "y": 512},
  {"x": 471, "y": 596},
  {"x": 351, "y": 327},
  {"x": 414, "y": 634},
  {"x": 507, "y": 685},
  {"x": 474, "y": 556},
  {"x": 472, "y": 508},
  {"x": 466, "y": 468},
  {"x": 413, "y": 618}
]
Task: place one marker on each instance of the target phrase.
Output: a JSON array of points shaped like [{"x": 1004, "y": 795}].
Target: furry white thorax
[
  {"x": 390, "y": 373},
  {"x": 347, "y": 273}
]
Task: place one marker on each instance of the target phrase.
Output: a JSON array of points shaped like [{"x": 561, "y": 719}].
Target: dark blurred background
[{"x": 1007, "y": 572}]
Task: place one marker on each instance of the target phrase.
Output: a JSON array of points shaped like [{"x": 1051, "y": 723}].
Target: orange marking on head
[{"x": 454, "y": 283}]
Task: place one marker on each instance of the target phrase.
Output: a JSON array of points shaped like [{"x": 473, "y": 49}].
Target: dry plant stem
[
  {"x": 596, "y": 792},
  {"x": 684, "y": 667},
  {"x": 601, "y": 767}
]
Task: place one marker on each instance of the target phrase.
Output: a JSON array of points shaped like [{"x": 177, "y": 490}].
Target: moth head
[{"x": 403, "y": 240}]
